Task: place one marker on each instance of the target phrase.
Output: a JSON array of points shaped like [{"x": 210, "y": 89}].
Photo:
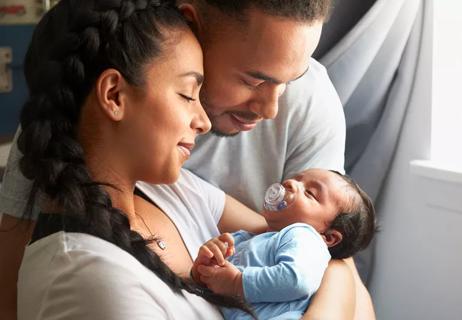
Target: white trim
[{"x": 437, "y": 171}]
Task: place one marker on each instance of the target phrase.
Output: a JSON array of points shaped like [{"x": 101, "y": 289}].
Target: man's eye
[
  {"x": 250, "y": 85},
  {"x": 187, "y": 98}
]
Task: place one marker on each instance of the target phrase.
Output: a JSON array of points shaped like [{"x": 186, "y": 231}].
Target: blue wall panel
[{"x": 18, "y": 38}]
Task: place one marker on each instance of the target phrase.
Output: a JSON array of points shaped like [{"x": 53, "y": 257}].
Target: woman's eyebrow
[{"x": 198, "y": 76}]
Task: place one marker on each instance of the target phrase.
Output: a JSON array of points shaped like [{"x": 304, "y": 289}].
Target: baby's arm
[{"x": 299, "y": 263}]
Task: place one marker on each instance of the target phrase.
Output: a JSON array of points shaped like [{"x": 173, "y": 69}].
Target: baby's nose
[{"x": 292, "y": 185}]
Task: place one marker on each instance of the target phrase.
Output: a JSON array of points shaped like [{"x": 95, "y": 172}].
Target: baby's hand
[
  {"x": 225, "y": 280},
  {"x": 213, "y": 252}
]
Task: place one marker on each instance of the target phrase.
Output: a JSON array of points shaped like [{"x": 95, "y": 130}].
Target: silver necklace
[{"x": 160, "y": 243}]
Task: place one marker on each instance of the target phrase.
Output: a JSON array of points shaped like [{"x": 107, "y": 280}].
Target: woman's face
[{"x": 164, "y": 115}]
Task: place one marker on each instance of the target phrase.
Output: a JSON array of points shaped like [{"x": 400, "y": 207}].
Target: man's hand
[
  {"x": 213, "y": 252},
  {"x": 225, "y": 280}
]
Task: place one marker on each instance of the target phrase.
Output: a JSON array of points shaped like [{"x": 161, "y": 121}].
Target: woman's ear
[
  {"x": 110, "y": 87},
  {"x": 332, "y": 237},
  {"x": 192, "y": 16}
]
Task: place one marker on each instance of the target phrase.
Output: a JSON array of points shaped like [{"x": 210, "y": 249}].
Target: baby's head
[{"x": 334, "y": 205}]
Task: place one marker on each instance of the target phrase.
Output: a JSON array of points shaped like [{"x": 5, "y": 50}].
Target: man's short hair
[{"x": 303, "y": 10}]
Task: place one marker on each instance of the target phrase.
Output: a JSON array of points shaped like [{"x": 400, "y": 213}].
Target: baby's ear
[{"x": 332, "y": 237}]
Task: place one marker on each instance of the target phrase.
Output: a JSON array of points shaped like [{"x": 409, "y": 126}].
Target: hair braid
[{"x": 87, "y": 37}]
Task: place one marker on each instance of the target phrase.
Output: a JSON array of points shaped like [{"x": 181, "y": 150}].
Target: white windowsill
[{"x": 437, "y": 171}]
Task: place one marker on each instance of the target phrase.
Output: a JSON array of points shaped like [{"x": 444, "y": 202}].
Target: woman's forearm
[{"x": 335, "y": 298}]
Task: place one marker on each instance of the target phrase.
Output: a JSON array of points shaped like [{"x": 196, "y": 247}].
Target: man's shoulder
[{"x": 313, "y": 91}]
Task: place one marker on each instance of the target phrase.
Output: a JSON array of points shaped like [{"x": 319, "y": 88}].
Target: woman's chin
[{"x": 167, "y": 177}]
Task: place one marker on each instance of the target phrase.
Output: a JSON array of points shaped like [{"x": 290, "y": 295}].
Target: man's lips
[
  {"x": 186, "y": 148},
  {"x": 244, "y": 124}
]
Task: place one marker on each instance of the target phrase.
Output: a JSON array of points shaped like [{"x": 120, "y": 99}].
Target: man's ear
[
  {"x": 192, "y": 16},
  {"x": 110, "y": 86},
  {"x": 332, "y": 237}
]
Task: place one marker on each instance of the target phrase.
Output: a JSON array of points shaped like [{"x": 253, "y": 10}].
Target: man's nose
[{"x": 266, "y": 104}]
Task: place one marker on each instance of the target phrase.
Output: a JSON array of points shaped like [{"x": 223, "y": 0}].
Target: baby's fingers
[
  {"x": 228, "y": 239},
  {"x": 204, "y": 255},
  {"x": 218, "y": 249}
]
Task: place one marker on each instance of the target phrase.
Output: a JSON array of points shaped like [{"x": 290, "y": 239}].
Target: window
[{"x": 446, "y": 147}]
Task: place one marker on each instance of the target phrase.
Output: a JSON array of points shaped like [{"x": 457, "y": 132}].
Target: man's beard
[
  {"x": 223, "y": 134},
  {"x": 214, "y": 131}
]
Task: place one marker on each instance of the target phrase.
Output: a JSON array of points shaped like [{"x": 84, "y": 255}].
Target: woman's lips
[
  {"x": 242, "y": 123},
  {"x": 186, "y": 148}
]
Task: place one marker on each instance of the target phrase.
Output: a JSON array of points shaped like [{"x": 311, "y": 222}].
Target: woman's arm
[
  {"x": 237, "y": 216},
  {"x": 335, "y": 299},
  {"x": 14, "y": 235}
]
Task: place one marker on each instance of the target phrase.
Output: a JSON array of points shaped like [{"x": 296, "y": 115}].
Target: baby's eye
[{"x": 310, "y": 194}]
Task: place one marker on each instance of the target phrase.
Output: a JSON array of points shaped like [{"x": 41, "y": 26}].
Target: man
[{"x": 253, "y": 52}]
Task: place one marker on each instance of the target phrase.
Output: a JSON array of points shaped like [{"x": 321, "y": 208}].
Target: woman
[{"x": 113, "y": 99}]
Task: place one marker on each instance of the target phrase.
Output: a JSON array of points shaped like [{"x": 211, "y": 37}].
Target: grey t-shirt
[{"x": 308, "y": 132}]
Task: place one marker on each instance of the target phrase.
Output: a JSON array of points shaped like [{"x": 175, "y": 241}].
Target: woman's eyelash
[{"x": 188, "y": 98}]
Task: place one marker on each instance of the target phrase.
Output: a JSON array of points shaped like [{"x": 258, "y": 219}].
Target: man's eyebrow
[
  {"x": 261, "y": 76},
  {"x": 198, "y": 76}
]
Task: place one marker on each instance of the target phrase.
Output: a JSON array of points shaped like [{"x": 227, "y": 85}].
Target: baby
[{"x": 324, "y": 214}]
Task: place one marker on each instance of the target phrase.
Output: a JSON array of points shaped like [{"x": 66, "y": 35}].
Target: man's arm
[
  {"x": 335, "y": 299},
  {"x": 364, "y": 309},
  {"x": 237, "y": 216},
  {"x": 14, "y": 235},
  {"x": 342, "y": 295}
]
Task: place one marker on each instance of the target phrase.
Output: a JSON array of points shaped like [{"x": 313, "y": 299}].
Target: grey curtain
[{"x": 373, "y": 69}]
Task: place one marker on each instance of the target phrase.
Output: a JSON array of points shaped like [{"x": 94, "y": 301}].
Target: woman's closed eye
[{"x": 187, "y": 98}]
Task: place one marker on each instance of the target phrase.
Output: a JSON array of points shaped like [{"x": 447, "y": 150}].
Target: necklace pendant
[{"x": 161, "y": 244}]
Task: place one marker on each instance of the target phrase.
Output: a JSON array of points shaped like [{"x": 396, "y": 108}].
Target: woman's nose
[{"x": 201, "y": 122}]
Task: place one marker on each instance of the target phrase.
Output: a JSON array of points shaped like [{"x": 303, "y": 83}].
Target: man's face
[{"x": 248, "y": 66}]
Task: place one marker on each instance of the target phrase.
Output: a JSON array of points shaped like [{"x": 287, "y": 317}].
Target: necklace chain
[{"x": 160, "y": 243}]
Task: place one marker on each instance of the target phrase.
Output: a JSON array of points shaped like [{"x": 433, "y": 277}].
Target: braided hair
[{"x": 71, "y": 46}]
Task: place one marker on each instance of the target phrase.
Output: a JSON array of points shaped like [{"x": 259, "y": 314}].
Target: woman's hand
[{"x": 225, "y": 280}]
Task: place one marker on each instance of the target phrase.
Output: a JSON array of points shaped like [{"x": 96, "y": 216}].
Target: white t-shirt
[
  {"x": 76, "y": 276},
  {"x": 308, "y": 132},
  {"x": 84, "y": 277},
  {"x": 194, "y": 206}
]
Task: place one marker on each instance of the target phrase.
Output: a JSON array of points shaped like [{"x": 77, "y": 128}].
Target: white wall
[{"x": 416, "y": 272}]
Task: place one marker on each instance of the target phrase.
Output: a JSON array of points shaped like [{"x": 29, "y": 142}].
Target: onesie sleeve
[{"x": 301, "y": 257}]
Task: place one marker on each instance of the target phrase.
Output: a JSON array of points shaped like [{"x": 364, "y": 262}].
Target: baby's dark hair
[
  {"x": 71, "y": 46},
  {"x": 356, "y": 222}
]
